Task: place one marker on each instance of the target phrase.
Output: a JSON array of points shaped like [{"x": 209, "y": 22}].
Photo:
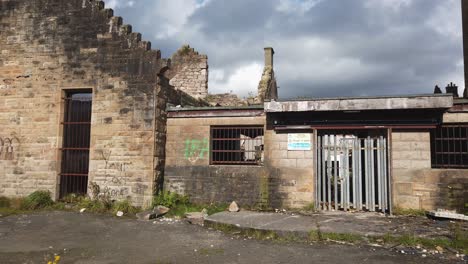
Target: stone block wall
[
  {"x": 291, "y": 172},
  {"x": 47, "y": 47},
  {"x": 190, "y": 72},
  {"x": 188, "y": 170},
  {"x": 415, "y": 184},
  {"x": 285, "y": 179},
  {"x": 456, "y": 117}
]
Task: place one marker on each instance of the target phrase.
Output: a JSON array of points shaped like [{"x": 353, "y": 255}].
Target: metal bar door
[
  {"x": 352, "y": 173},
  {"x": 76, "y": 142}
]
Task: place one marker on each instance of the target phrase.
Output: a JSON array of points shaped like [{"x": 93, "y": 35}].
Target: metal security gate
[
  {"x": 76, "y": 142},
  {"x": 352, "y": 173}
]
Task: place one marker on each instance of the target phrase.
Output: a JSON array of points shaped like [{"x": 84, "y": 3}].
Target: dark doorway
[{"x": 76, "y": 142}]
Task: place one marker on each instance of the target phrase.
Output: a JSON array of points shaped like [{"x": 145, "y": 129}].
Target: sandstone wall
[
  {"x": 285, "y": 179},
  {"x": 190, "y": 72},
  {"x": 49, "y": 46},
  {"x": 291, "y": 172},
  {"x": 188, "y": 169},
  {"x": 415, "y": 184}
]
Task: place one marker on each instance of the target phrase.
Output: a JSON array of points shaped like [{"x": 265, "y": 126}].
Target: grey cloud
[{"x": 391, "y": 50}]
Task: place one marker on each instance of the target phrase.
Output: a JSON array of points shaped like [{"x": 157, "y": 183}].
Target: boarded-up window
[
  {"x": 237, "y": 145},
  {"x": 449, "y": 146}
]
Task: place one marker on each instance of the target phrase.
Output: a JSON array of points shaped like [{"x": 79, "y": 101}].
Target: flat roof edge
[
  {"x": 214, "y": 108},
  {"x": 363, "y": 103}
]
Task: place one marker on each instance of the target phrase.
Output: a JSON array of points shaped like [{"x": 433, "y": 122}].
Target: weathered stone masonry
[
  {"x": 284, "y": 180},
  {"x": 50, "y": 46}
]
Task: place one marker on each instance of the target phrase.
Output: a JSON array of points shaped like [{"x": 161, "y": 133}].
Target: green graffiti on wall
[{"x": 196, "y": 149}]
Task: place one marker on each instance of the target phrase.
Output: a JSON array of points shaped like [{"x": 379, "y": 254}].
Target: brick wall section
[
  {"x": 455, "y": 117},
  {"x": 411, "y": 151},
  {"x": 48, "y": 46},
  {"x": 190, "y": 172},
  {"x": 415, "y": 184},
  {"x": 291, "y": 172},
  {"x": 190, "y": 72},
  {"x": 285, "y": 180}
]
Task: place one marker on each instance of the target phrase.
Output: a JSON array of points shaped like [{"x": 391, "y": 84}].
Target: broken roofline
[{"x": 423, "y": 101}]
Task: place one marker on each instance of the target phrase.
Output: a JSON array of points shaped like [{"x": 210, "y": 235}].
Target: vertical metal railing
[
  {"x": 76, "y": 143},
  {"x": 352, "y": 173}
]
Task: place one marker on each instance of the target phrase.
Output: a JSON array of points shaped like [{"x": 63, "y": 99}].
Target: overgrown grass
[
  {"x": 170, "y": 199},
  {"x": 125, "y": 207},
  {"x": 317, "y": 236},
  {"x": 309, "y": 208},
  {"x": 408, "y": 212},
  {"x": 37, "y": 200},
  {"x": 41, "y": 200},
  {"x": 458, "y": 239},
  {"x": 95, "y": 205},
  {"x": 179, "y": 205}
]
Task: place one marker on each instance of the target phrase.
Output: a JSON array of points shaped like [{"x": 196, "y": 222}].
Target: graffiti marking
[{"x": 196, "y": 149}]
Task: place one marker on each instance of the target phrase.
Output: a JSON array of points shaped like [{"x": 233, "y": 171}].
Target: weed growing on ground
[
  {"x": 72, "y": 198},
  {"x": 95, "y": 205},
  {"x": 37, "y": 200},
  {"x": 309, "y": 208},
  {"x": 458, "y": 240},
  {"x": 408, "y": 212},
  {"x": 170, "y": 199},
  {"x": 180, "y": 204},
  {"x": 125, "y": 207},
  {"x": 4, "y": 202}
]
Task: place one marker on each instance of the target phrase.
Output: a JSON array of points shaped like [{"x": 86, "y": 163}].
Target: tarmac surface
[{"x": 90, "y": 238}]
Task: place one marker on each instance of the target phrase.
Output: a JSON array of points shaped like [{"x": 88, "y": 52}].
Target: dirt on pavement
[{"x": 90, "y": 238}]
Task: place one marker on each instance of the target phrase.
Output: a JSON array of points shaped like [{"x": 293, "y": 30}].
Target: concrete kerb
[
  {"x": 335, "y": 227},
  {"x": 258, "y": 233},
  {"x": 272, "y": 225}
]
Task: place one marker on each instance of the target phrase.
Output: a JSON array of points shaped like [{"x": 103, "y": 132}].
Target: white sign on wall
[{"x": 299, "y": 141}]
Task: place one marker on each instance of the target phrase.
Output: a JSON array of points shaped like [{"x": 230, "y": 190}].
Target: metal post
[
  {"x": 379, "y": 173},
  {"x": 385, "y": 178},
  {"x": 360, "y": 174},
  {"x": 324, "y": 167},
  {"x": 329, "y": 169},
  {"x": 354, "y": 171},
  {"x": 366, "y": 172},
  {"x": 390, "y": 171},
  {"x": 316, "y": 168},
  {"x": 346, "y": 168},
  {"x": 372, "y": 177},
  {"x": 319, "y": 173},
  {"x": 336, "y": 174}
]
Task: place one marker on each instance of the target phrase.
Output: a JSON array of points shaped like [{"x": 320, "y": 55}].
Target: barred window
[
  {"x": 449, "y": 146},
  {"x": 237, "y": 145}
]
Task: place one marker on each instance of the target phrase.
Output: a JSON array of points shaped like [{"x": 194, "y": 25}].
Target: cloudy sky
[{"x": 323, "y": 47}]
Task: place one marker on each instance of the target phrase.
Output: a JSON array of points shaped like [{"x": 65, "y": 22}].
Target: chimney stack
[
  {"x": 269, "y": 52},
  {"x": 267, "y": 88},
  {"x": 452, "y": 88},
  {"x": 464, "y": 8}
]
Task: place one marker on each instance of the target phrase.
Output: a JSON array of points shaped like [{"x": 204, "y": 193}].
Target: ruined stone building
[
  {"x": 83, "y": 99},
  {"x": 86, "y": 105}
]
